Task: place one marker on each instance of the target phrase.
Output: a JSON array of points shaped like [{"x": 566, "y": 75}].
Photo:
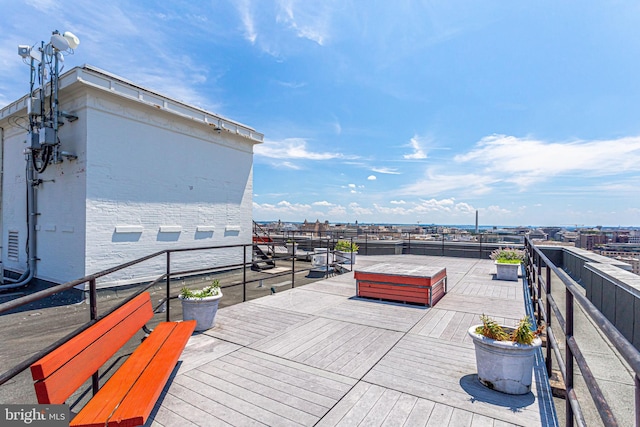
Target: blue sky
[{"x": 403, "y": 111}]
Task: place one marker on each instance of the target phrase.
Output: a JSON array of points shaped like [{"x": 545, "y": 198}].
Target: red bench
[
  {"x": 129, "y": 396},
  {"x": 402, "y": 282}
]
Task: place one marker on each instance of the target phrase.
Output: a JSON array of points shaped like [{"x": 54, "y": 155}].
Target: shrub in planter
[
  {"x": 346, "y": 252},
  {"x": 201, "y": 305},
  {"x": 507, "y": 262},
  {"x": 505, "y": 356}
]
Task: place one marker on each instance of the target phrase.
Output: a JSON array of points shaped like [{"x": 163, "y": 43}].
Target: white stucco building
[{"x": 151, "y": 173}]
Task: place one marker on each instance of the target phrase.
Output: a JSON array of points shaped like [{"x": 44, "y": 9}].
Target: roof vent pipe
[{"x": 31, "y": 230}]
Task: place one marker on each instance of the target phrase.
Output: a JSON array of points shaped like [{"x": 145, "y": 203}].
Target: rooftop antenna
[{"x": 45, "y": 63}]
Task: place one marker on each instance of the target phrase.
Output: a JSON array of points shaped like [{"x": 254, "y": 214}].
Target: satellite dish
[
  {"x": 71, "y": 39},
  {"x": 59, "y": 42}
]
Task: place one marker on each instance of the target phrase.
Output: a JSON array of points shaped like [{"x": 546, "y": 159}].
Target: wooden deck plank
[
  {"x": 400, "y": 412},
  {"x": 274, "y": 382},
  {"x": 245, "y": 324},
  {"x": 300, "y": 301},
  {"x": 440, "y": 416},
  {"x": 420, "y": 413},
  {"x": 315, "y": 356},
  {"x": 461, "y": 418},
  {"x": 237, "y": 389},
  {"x": 495, "y": 306},
  {"x": 203, "y": 349},
  {"x": 355, "y": 347},
  {"x": 388, "y": 315},
  {"x": 201, "y": 409},
  {"x": 342, "y": 408},
  {"x": 447, "y": 379},
  {"x": 272, "y": 389},
  {"x": 378, "y": 414},
  {"x": 166, "y": 418},
  {"x": 237, "y": 404},
  {"x": 334, "y": 383},
  {"x": 361, "y": 408}
]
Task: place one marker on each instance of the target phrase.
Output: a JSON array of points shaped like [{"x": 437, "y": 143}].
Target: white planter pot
[
  {"x": 319, "y": 258},
  {"x": 346, "y": 257},
  {"x": 507, "y": 271},
  {"x": 203, "y": 311},
  {"x": 504, "y": 366},
  {"x": 291, "y": 247}
]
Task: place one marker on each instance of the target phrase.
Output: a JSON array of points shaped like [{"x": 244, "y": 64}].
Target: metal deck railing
[{"x": 539, "y": 270}]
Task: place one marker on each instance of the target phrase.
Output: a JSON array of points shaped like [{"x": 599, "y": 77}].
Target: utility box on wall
[{"x": 140, "y": 173}]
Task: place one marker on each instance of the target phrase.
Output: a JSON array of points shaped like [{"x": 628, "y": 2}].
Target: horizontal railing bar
[
  {"x": 592, "y": 385},
  {"x": 557, "y": 312},
  {"x": 575, "y": 406},
  {"x": 626, "y": 349},
  {"x": 19, "y": 302},
  {"x": 39, "y": 355},
  {"x": 556, "y": 350}
]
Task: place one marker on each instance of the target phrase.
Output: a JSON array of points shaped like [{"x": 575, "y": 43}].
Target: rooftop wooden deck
[{"x": 317, "y": 355}]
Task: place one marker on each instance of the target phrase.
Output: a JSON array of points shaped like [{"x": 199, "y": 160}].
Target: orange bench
[
  {"x": 129, "y": 396},
  {"x": 402, "y": 282}
]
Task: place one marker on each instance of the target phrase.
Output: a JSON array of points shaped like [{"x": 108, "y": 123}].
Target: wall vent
[{"x": 13, "y": 246}]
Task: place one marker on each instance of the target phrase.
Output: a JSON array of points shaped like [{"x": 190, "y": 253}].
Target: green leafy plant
[
  {"x": 507, "y": 255},
  {"x": 208, "y": 291},
  {"x": 346, "y": 246},
  {"x": 522, "y": 334},
  {"x": 491, "y": 329}
]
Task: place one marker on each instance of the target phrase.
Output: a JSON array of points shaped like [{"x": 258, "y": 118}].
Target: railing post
[
  {"x": 168, "y": 315},
  {"x": 293, "y": 265},
  {"x": 636, "y": 381},
  {"x": 93, "y": 307},
  {"x": 569, "y": 356},
  {"x": 244, "y": 273},
  {"x": 548, "y": 324},
  {"x": 538, "y": 299}
]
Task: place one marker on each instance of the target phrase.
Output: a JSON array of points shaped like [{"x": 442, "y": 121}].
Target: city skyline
[{"x": 388, "y": 113}]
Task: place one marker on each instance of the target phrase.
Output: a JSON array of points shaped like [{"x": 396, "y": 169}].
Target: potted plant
[
  {"x": 504, "y": 355},
  {"x": 346, "y": 252},
  {"x": 201, "y": 305},
  {"x": 507, "y": 262}
]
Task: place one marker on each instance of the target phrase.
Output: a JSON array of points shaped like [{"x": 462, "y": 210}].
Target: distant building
[
  {"x": 143, "y": 173},
  {"x": 537, "y": 234},
  {"x": 589, "y": 241}
]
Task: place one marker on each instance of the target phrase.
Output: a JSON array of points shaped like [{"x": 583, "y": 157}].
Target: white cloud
[
  {"x": 525, "y": 161},
  {"x": 388, "y": 171},
  {"x": 246, "y": 16},
  {"x": 309, "y": 21},
  {"x": 292, "y": 148},
  {"x": 418, "y": 151},
  {"x": 291, "y": 85},
  {"x": 436, "y": 183},
  {"x": 398, "y": 202},
  {"x": 352, "y": 186},
  {"x": 371, "y": 178},
  {"x": 356, "y": 209},
  {"x": 323, "y": 203}
]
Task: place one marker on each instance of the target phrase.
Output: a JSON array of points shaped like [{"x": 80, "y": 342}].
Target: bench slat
[
  {"x": 65, "y": 369},
  {"x": 98, "y": 410},
  {"x": 142, "y": 397}
]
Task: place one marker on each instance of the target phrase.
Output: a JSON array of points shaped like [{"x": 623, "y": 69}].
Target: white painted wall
[
  {"x": 151, "y": 174},
  {"x": 158, "y": 178},
  {"x": 60, "y": 229}
]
